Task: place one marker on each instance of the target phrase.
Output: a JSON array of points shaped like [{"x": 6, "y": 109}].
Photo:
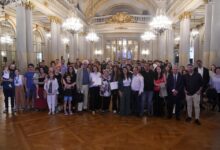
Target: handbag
[{"x": 163, "y": 91}]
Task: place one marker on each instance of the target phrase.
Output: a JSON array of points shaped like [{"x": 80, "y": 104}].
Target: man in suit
[
  {"x": 82, "y": 82},
  {"x": 204, "y": 72},
  {"x": 175, "y": 89}
]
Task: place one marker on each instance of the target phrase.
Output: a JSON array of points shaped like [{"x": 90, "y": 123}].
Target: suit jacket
[
  {"x": 179, "y": 85},
  {"x": 205, "y": 77}
]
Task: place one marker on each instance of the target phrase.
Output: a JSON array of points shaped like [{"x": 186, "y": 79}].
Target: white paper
[
  {"x": 98, "y": 81},
  {"x": 114, "y": 85}
]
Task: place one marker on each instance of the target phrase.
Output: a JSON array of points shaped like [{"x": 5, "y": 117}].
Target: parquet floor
[{"x": 38, "y": 131}]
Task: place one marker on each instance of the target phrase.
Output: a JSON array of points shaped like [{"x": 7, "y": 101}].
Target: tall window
[
  {"x": 7, "y": 43},
  {"x": 39, "y": 46}
]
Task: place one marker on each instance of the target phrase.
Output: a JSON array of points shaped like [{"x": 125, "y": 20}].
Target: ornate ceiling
[{"x": 64, "y": 8}]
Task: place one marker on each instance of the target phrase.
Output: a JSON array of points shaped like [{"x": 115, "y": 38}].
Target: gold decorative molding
[
  {"x": 29, "y": 5},
  {"x": 55, "y": 19},
  {"x": 185, "y": 15},
  {"x": 120, "y": 18},
  {"x": 206, "y": 1}
]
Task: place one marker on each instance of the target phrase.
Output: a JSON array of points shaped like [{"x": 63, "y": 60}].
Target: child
[
  {"x": 51, "y": 87},
  {"x": 35, "y": 79},
  {"x": 19, "y": 90},
  {"x": 68, "y": 88}
]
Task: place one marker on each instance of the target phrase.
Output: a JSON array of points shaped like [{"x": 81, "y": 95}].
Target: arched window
[
  {"x": 7, "y": 43},
  {"x": 38, "y": 45}
]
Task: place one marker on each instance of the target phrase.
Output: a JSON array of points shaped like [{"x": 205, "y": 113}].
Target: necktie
[{"x": 50, "y": 88}]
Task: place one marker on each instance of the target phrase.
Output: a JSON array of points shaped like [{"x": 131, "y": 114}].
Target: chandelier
[
  {"x": 145, "y": 52},
  {"x": 161, "y": 22},
  {"x": 148, "y": 36},
  {"x": 194, "y": 33},
  {"x": 6, "y": 39},
  {"x": 92, "y": 36},
  {"x": 72, "y": 24}
]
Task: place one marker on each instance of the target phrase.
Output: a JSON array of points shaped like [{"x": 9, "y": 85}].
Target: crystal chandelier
[
  {"x": 6, "y": 39},
  {"x": 194, "y": 33},
  {"x": 72, "y": 24},
  {"x": 145, "y": 52},
  {"x": 161, "y": 22},
  {"x": 148, "y": 36},
  {"x": 92, "y": 36}
]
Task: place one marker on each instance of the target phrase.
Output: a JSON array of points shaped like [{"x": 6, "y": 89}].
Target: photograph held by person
[
  {"x": 175, "y": 89},
  {"x": 193, "y": 85}
]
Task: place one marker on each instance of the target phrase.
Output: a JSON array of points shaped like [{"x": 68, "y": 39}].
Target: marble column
[
  {"x": 197, "y": 50},
  {"x": 21, "y": 48},
  {"x": 162, "y": 46},
  {"x": 170, "y": 46},
  {"x": 207, "y": 34},
  {"x": 29, "y": 33},
  {"x": 54, "y": 52},
  {"x": 184, "y": 38},
  {"x": 72, "y": 52},
  {"x": 215, "y": 34}
]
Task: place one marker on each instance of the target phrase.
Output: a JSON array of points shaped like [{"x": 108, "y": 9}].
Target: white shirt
[
  {"x": 200, "y": 71},
  {"x": 137, "y": 83},
  {"x": 18, "y": 80},
  {"x": 127, "y": 82},
  {"x": 94, "y": 77}
]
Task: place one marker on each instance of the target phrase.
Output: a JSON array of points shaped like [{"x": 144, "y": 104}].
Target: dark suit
[{"x": 178, "y": 85}]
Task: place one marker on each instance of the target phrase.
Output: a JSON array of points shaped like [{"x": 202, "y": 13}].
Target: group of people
[{"x": 139, "y": 88}]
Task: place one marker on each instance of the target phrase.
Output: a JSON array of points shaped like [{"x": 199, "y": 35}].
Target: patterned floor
[{"x": 38, "y": 131}]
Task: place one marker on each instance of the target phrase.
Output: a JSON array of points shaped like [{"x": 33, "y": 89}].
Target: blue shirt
[
  {"x": 63, "y": 69},
  {"x": 29, "y": 80},
  {"x": 85, "y": 77}
]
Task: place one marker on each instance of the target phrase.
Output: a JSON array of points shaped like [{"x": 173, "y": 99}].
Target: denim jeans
[{"x": 147, "y": 98}]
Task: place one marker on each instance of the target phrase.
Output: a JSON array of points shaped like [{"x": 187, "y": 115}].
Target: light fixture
[
  {"x": 145, "y": 52},
  {"x": 148, "y": 36},
  {"x": 161, "y": 22},
  {"x": 6, "y": 39},
  {"x": 92, "y": 37},
  {"x": 177, "y": 39},
  {"x": 98, "y": 52},
  {"x": 48, "y": 35},
  {"x": 65, "y": 40},
  {"x": 72, "y": 24},
  {"x": 194, "y": 33},
  {"x": 3, "y": 53}
]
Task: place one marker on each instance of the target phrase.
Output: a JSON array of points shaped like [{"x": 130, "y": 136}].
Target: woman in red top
[{"x": 159, "y": 80}]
